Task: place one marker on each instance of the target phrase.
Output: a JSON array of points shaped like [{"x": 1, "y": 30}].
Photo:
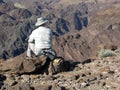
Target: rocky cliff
[
  {"x": 79, "y": 28},
  {"x": 102, "y": 32}
]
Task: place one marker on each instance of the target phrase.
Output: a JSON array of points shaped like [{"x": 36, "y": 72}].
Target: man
[{"x": 40, "y": 40}]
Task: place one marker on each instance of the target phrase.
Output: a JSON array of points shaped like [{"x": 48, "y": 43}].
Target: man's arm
[{"x": 31, "y": 39}]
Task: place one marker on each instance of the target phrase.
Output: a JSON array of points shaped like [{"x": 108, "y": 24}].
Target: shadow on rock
[
  {"x": 2, "y": 78},
  {"x": 87, "y": 61},
  {"x": 74, "y": 65}
]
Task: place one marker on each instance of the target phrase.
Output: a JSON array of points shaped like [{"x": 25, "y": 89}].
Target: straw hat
[{"x": 40, "y": 21}]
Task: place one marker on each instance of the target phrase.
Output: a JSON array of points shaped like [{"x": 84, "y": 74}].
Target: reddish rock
[{"x": 21, "y": 65}]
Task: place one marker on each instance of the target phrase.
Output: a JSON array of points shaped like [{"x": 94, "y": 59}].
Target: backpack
[{"x": 58, "y": 64}]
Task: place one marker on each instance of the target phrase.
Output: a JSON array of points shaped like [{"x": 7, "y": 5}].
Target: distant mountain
[
  {"x": 75, "y": 25},
  {"x": 103, "y": 31}
]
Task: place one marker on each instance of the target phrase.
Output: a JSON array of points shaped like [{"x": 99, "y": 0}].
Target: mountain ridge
[{"x": 64, "y": 22}]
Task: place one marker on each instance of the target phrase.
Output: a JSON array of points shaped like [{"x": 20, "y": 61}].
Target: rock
[
  {"x": 41, "y": 64},
  {"x": 43, "y": 87},
  {"x": 23, "y": 86},
  {"x": 25, "y": 78},
  {"x": 32, "y": 77},
  {"x": 18, "y": 5},
  {"x": 75, "y": 77},
  {"x": 10, "y": 80},
  {"x": 105, "y": 70},
  {"x": 57, "y": 87},
  {"x": 83, "y": 84},
  {"x": 20, "y": 65}
]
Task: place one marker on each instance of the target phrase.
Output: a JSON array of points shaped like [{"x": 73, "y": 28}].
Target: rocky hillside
[
  {"x": 85, "y": 31},
  {"x": 76, "y": 26},
  {"x": 102, "y": 73},
  {"x": 102, "y": 32}
]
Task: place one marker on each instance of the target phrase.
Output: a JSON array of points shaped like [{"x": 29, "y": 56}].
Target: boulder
[
  {"x": 21, "y": 65},
  {"x": 41, "y": 64}
]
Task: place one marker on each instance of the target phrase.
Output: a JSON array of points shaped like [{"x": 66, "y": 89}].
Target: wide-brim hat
[{"x": 41, "y": 21}]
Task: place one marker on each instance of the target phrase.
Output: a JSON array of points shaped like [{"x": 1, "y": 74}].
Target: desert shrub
[{"x": 106, "y": 53}]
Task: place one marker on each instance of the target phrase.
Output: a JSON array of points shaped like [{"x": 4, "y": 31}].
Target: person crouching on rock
[{"x": 40, "y": 40}]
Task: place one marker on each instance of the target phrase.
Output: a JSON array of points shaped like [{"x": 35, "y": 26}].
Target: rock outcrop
[
  {"x": 36, "y": 65},
  {"x": 20, "y": 65}
]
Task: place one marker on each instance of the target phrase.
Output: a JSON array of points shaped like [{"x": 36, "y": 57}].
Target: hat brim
[{"x": 40, "y": 23}]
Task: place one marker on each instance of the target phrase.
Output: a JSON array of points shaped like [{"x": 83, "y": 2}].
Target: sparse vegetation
[{"x": 106, "y": 53}]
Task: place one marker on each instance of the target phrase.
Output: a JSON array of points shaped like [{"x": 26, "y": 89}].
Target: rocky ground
[
  {"x": 80, "y": 29},
  {"x": 96, "y": 74}
]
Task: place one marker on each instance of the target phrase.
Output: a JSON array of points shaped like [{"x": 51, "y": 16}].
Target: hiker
[{"x": 40, "y": 40}]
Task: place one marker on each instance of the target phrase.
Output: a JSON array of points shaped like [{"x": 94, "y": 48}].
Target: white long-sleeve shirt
[{"x": 42, "y": 37}]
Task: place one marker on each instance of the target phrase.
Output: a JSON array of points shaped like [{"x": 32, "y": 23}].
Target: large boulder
[
  {"x": 21, "y": 65},
  {"x": 36, "y": 65}
]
